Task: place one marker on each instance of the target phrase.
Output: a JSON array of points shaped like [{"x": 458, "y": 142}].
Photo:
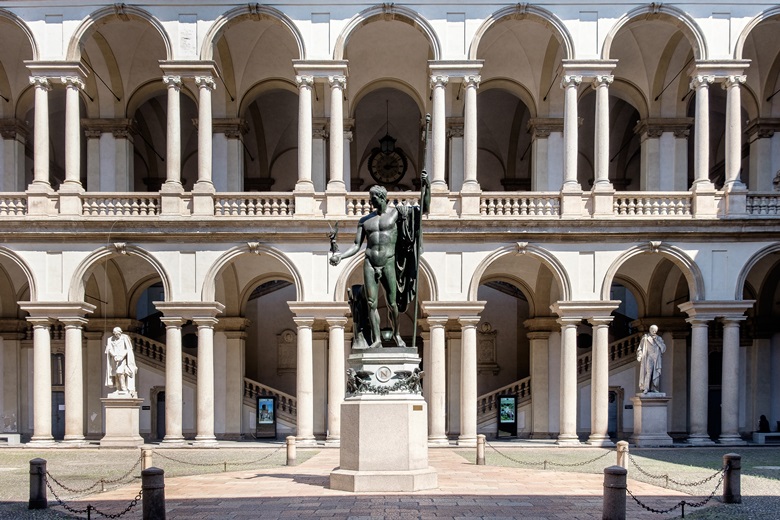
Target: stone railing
[
  {"x": 13, "y": 204},
  {"x": 286, "y": 405},
  {"x": 621, "y": 352},
  {"x": 154, "y": 352},
  {"x": 652, "y": 204},
  {"x": 254, "y": 205},
  {"x": 487, "y": 404},
  {"x": 120, "y": 205},
  {"x": 520, "y": 205},
  {"x": 763, "y": 204},
  {"x": 359, "y": 204}
]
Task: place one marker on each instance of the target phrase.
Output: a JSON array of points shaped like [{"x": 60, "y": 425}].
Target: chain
[
  {"x": 682, "y": 503},
  {"x": 100, "y": 482},
  {"x": 552, "y": 463},
  {"x": 208, "y": 464},
  {"x": 89, "y": 507},
  {"x": 522, "y": 462},
  {"x": 658, "y": 511},
  {"x": 673, "y": 481},
  {"x": 137, "y": 463},
  {"x": 545, "y": 463},
  {"x": 130, "y": 506}
]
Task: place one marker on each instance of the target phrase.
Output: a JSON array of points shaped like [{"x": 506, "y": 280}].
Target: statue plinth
[
  {"x": 384, "y": 425},
  {"x": 122, "y": 422},
  {"x": 650, "y": 420}
]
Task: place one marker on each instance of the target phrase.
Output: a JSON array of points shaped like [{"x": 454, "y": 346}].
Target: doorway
[{"x": 58, "y": 415}]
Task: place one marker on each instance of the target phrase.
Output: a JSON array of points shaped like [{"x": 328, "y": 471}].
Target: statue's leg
[
  {"x": 390, "y": 285},
  {"x": 371, "y": 288}
]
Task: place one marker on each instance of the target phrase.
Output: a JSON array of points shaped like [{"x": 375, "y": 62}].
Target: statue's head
[
  {"x": 378, "y": 193},
  {"x": 653, "y": 329},
  {"x": 117, "y": 331}
]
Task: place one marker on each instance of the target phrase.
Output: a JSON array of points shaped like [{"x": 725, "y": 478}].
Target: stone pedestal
[
  {"x": 384, "y": 445},
  {"x": 122, "y": 423},
  {"x": 650, "y": 423}
]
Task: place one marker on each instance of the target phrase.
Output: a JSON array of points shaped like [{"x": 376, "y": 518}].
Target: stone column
[
  {"x": 41, "y": 137},
  {"x": 305, "y": 86},
  {"x": 729, "y": 408},
  {"x": 601, "y": 153},
  {"x": 173, "y": 135},
  {"x": 173, "y": 381},
  {"x": 15, "y": 134},
  {"x": 93, "y": 158},
  {"x": 336, "y": 178},
  {"x": 206, "y": 85},
  {"x": 761, "y": 134},
  {"x": 468, "y": 375},
  {"x": 699, "y": 382},
  {"x": 74, "y": 380},
  {"x": 205, "y": 388},
  {"x": 336, "y": 377},
  {"x": 568, "y": 417},
  {"x": 347, "y": 148},
  {"x": 470, "y": 182},
  {"x": 599, "y": 384},
  {"x": 72, "y": 134},
  {"x": 570, "y": 133},
  {"x": 41, "y": 380},
  {"x": 305, "y": 381},
  {"x": 455, "y": 154},
  {"x": 701, "y": 158},
  {"x": 540, "y": 366},
  {"x": 233, "y": 178},
  {"x": 733, "y": 133},
  {"x": 234, "y": 386},
  {"x": 437, "y": 382},
  {"x": 439, "y": 131},
  {"x": 546, "y": 153}
]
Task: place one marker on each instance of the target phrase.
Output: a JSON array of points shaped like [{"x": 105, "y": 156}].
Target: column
[
  {"x": 540, "y": 383},
  {"x": 346, "y": 163},
  {"x": 173, "y": 135},
  {"x": 546, "y": 153},
  {"x": 439, "y": 131},
  {"x": 93, "y": 158},
  {"x": 568, "y": 417},
  {"x": 336, "y": 377},
  {"x": 760, "y": 133},
  {"x": 41, "y": 380},
  {"x": 701, "y": 158},
  {"x": 206, "y": 85},
  {"x": 41, "y": 135},
  {"x": 234, "y": 386},
  {"x": 173, "y": 381},
  {"x": 601, "y": 85},
  {"x": 305, "y": 381},
  {"x": 599, "y": 384},
  {"x": 205, "y": 388},
  {"x": 468, "y": 375},
  {"x": 570, "y": 133},
  {"x": 650, "y": 142},
  {"x": 470, "y": 182},
  {"x": 15, "y": 134},
  {"x": 733, "y": 132},
  {"x": 336, "y": 177},
  {"x": 437, "y": 381},
  {"x": 699, "y": 382},
  {"x": 305, "y": 86},
  {"x": 74, "y": 380},
  {"x": 72, "y": 130},
  {"x": 729, "y": 408}
]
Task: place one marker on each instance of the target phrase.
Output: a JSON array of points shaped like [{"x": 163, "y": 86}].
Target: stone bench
[
  {"x": 11, "y": 438},
  {"x": 761, "y": 438}
]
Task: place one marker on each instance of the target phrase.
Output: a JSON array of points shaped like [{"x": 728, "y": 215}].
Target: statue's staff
[{"x": 418, "y": 237}]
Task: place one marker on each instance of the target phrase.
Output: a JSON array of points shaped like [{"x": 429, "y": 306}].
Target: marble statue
[
  {"x": 120, "y": 365},
  {"x": 649, "y": 355}
]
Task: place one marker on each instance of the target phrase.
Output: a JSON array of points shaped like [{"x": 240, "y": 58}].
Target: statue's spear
[{"x": 418, "y": 237}]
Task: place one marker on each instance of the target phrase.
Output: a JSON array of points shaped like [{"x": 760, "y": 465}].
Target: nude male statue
[{"x": 387, "y": 257}]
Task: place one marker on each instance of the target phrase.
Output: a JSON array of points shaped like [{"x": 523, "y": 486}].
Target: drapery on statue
[
  {"x": 649, "y": 355},
  {"x": 393, "y": 245},
  {"x": 120, "y": 365}
]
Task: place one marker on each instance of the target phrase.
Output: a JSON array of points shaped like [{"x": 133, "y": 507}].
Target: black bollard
[
  {"x": 38, "y": 498},
  {"x": 614, "y": 504},
  {"x": 153, "y": 487},
  {"x": 732, "y": 491}
]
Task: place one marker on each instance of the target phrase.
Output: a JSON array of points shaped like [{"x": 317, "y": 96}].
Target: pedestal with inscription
[
  {"x": 650, "y": 420},
  {"x": 122, "y": 422}
]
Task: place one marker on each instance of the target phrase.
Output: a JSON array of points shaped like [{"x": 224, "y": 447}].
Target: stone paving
[{"x": 465, "y": 491}]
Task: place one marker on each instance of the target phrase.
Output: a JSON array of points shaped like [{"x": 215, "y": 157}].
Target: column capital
[
  {"x": 73, "y": 322},
  {"x": 701, "y": 81},
  {"x": 119, "y": 128},
  {"x": 469, "y": 321},
  {"x": 206, "y": 82},
  {"x": 173, "y": 82},
  {"x": 654, "y": 127},
  {"x": 571, "y": 81},
  {"x": 172, "y": 321},
  {"x": 602, "y": 80},
  {"x": 455, "y": 126},
  {"x": 233, "y": 128},
  {"x": 337, "y": 82},
  {"x": 733, "y": 81},
  {"x": 304, "y": 81},
  {"x": 40, "y": 82},
  {"x": 205, "y": 321},
  {"x": 600, "y": 321},
  {"x": 762, "y": 127},
  {"x": 336, "y": 321},
  {"x": 305, "y": 322},
  {"x": 72, "y": 82},
  {"x": 542, "y": 127},
  {"x": 437, "y": 321},
  {"x": 472, "y": 80},
  {"x": 438, "y": 81},
  {"x": 10, "y": 128},
  {"x": 733, "y": 319},
  {"x": 538, "y": 335}
]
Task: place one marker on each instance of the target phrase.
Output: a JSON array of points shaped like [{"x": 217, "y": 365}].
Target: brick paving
[{"x": 465, "y": 491}]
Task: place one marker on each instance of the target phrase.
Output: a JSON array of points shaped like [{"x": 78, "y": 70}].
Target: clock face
[{"x": 387, "y": 168}]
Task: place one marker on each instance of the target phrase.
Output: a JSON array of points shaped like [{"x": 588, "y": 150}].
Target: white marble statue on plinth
[
  {"x": 120, "y": 365},
  {"x": 122, "y": 406},
  {"x": 650, "y": 404},
  {"x": 650, "y": 354}
]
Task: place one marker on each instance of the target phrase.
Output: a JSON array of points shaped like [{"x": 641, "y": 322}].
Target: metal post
[
  {"x": 146, "y": 453},
  {"x": 622, "y": 454},
  {"x": 38, "y": 498},
  {"x": 614, "y": 504},
  {"x": 480, "y": 450},
  {"x": 291, "y": 450},
  {"x": 153, "y": 487},
  {"x": 732, "y": 492}
]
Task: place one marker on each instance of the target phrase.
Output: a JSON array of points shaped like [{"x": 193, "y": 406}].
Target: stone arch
[
  {"x": 631, "y": 94},
  {"x": 523, "y": 248},
  {"x": 267, "y": 85},
  {"x": 677, "y": 256},
  {"x": 21, "y": 264},
  {"x": 750, "y": 264},
  {"x": 14, "y": 19},
  {"x": 526, "y": 11},
  {"x": 243, "y": 297},
  {"x": 76, "y": 291},
  {"x": 355, "y": 262},
  {"x": 742, "y": 38},
  {"x": 93, "y": 21},
  {"x": 391, "y": 83},
  {"x": 677, "y": 17},
  {"x": 521, "y": 286},
  {"x": 514, "y": 88},
  {"x": 249, "y": 12},
  {"x": 208, "y": 292},
  {"x": 636, "y": 290},
  {"x": 387, "y": 12}
]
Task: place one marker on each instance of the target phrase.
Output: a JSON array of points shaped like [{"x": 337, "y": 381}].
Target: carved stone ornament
[
  {"x": 776, "y": 181},
  {"x": 254, "y": 247},
  {"x": 120, "y": 247},
  {"x": 655, "y": 245},
  {"x": 286, "y": 352},
  {"x": 486, "y": 349}
]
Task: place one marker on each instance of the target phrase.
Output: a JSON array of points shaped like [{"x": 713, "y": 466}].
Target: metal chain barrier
[
  {"x": 90, "y": 508},
  {"x": 224, "y": 464},
  {"x": 682, "y": 503},
  {"x": 545, "y": 463},
  {"x": 673, "y": 481},
  {"x": 101, "y": 482}
]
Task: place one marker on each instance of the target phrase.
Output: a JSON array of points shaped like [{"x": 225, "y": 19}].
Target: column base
[
  {"x": 75, "y": 440},
  {"x": 600, "y": 440},
  {"x": 700, "y": 440},
  {"x": 731, "y": 440},
  {"x": 306, "y": 442},
  {"x": 206, "y": 442},
  {"x": 40, "y": 442},
  {"x": 333, "y": 442},
  {"x": 172, "y": 441},
  {"x": 467, "y": 441},
  {"x": 438, "y": 441},
  {"x": 567, "y": 440}
]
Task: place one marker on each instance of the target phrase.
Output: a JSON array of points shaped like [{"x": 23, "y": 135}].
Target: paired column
[
  {"x": 206, "y": 85},
  {"x": 539, "y": 343},
  {"x": 701, "y": 159},
  {"x": 305, "y": 86},
  {"x": 336, "y": 177},
  {"x": 305, "y": 381},
  {"x": 439, "y": 131},
  {"x": 601, "y": 85},
  {"x": 568, "y": 413},
  {"x": 436, "y": 369},
  {"x": 336, "y": 377},
  {"x": 699, "y": 382},
  {"x": 74, "y": 380},
  {"x": 470, "y": 84},
  {"x": 468, "y": 388},
  {"x": 205, "y": 388},
  {"x": 41, "y": 135},
  {"x": 729, "y": 408},
  {"x": 72, "y": 133},
  {"x": 599, "y": 385},
  {"x": 173, "y": 380},
  {"x": 733, "y": 132},
  {"x": 570, "y": 132},
  {"x": 41, "y": 379},
  {"x": 173, "y": 146}
]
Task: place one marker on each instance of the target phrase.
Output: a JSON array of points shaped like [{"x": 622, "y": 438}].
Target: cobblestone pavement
[{"x": 271, "y": 490}]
